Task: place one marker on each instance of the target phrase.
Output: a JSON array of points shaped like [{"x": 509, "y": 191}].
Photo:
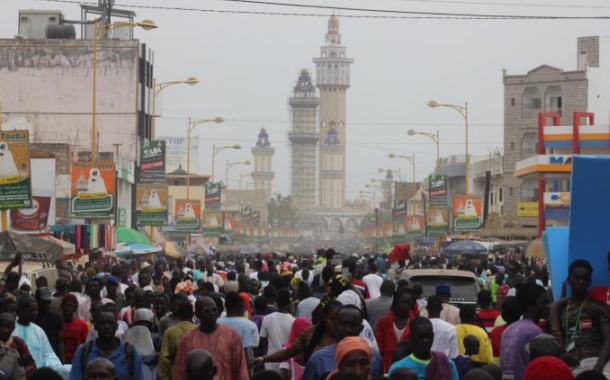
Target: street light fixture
[
  {"x": 97, "y": 36},
  {"x": 157, "y": 87},
  {"x": 191, "y": 126},
  {"x": 436, "y": 138},
  {"x": 216, "y": 149},
  {"x": 229, "y": 166},
  {"x": 463, "y": 110},
  {"x": 410, "y": 158}
]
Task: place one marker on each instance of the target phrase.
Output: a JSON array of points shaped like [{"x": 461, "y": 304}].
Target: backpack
[{"x": 129, "y": 353}]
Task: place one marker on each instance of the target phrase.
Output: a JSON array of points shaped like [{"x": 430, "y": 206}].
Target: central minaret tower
[{"x": 332, "y": 79}]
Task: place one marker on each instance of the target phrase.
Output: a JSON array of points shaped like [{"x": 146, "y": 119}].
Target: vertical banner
[
  {"x": 437, "y": 217},
  {"x": 400, "y": 210},
  {"x": 93, "y": 187},
  {"x": 246, "y": 215},
  {"x": 15, "y": 170},
  {"x": 152, "y": 190},
  {"x": 42, "y": 213},
  {"x": 438, "y": 189},
  {"x": 230, "y": 223},
  {"x": 415, "y": 226},
  {"x": 212, "y": 195},
  {"x": 212, "y": 222},
  {"x": 466, "y": 212},
  {"x": 255, "y": 219},
  {"x": 187, "y": 214}
]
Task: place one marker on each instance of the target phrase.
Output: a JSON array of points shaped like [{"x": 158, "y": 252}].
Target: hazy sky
[{"x": 248, "y": 64}]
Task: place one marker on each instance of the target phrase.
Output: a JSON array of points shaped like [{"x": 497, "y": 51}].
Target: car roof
[{"x": 439, "y": 272}]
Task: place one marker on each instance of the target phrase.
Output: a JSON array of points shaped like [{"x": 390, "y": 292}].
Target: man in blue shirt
[
  {"x": 127, "y": 361},
  {"x": 246, "y": 328},
  {"x": 427, "y": 364},
  {"x": 348, "y": 322}
]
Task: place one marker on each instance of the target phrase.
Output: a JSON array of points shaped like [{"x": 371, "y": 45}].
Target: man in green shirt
[{"x": 171, "y": 339}]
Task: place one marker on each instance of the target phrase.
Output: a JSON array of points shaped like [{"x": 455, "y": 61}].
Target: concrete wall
[{"x": 46, "y": 87}]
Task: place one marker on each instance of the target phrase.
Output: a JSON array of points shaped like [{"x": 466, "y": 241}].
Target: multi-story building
[
  {"x": 47, "y": 88},
  {"x": 333, "y": 80},
  {"x": 549, "y": 90},
  {"x": 263, "y": 173}
]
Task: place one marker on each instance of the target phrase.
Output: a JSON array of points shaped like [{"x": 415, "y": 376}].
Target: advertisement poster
[
  {"x": 152, "y": 193},
  {"x": 437, "y": 220},
  {"x": 42, "y": 212},
  {"x": 438, "y": 189},
  {"x": 466, "y": 213},
  {"x": 527, "y": 209},
  {"x": 93, "y": 187},
  {"x": 212, "y": 223},
  {"x": 415, "y": 226},
  {"x": 187, "y": 214},
  {"x": 255, "y": 219},
  {"x": 400, "y": 210},
  {"x": 246, "y": 215},
  {"x": 151, "y": 208},
  {"x": 230, "y": 223},
  {"x": 212, "y": 195},
  {"x": 557, "y": 205},
  {"x": 176, "y": 153},
  {"x": 152, "y": 161},
  {"x": 15, "y": 170}
]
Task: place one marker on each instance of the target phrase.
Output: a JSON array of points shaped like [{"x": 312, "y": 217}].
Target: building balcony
[
  {"x": 263, "y": 150},
  {"x": 331, "y": 148},
  {"x": 332, "y": 173},
  {"x": 493, "y": 165},
  {"x": 263, "y": 175},
  {"x": 304, "y": 102}
]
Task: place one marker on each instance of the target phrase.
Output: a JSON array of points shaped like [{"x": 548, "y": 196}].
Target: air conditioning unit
[{"x": 33, "y": 23}]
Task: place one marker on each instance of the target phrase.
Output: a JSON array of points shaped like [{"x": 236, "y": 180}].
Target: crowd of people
[{"x": 300, "y": 317}]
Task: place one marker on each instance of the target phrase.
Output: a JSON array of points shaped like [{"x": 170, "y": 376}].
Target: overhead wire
[{"x": 387, "y": 13}]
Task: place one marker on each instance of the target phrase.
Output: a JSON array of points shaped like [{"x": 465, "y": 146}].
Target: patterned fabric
[
  {"x": 17, "y": 344},
  {"x": 588, "y": 341},
  {"x": 224, "y": 344}
]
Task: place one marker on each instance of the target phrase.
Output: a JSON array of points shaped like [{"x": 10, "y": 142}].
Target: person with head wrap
[
  {"x": 354, "y": 355},
  {"x": 292, "y": 368},
  {"x": 548, "y": 368}
]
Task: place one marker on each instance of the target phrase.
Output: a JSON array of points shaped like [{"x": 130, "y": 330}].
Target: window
[
  {"x": 537, "y": 103},
  {"x": 512, "y": 102},
  {"x": 512, "y": 146},
  {"x": 510, "y": 191},
  {"x": 500, "y": 195}
]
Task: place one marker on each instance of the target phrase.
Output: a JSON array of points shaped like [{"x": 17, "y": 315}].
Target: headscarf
[
  {"x": 299, "y": 326},
  {"x": 352, "y": 343},
  {"x": 294, "y": 283},
  {"x": 69, "y": 298},
  {"x": 547, "y": 368}
]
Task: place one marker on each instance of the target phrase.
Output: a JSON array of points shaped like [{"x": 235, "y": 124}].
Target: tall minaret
[
  {"x": 263, "y": 173},
  {"x": 332, "y": 79},
  {"x": 303, "y": 138}
]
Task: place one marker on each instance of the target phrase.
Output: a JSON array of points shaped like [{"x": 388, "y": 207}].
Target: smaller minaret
[
  {"x": 263, "y": 173},
  {"x": 387, "y": 189}
]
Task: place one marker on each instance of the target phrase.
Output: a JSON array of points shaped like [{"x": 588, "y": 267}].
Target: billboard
[
  {"x": 255, "y": 219},
  {"x": 438, "y": 189},
  {"x": 187, "y": 214},
  {"x": 415, "y": 225},
  {"x": 400, "y": 210},
  {"x": 404, "y": 191},
  {"x": 151, "y": 204},
  {"x": 527, "y": 209},
  {"x": 152, "y": 193},
  {"x": 212, "y": 223},
  {"x": 437, "y": 220},
  {"x": 15, "y": 170},
  {"x": 93, "y": 186},
  {"x": 175, "y": 153},
  {"x": 466, "y": 213},
  {"x": 42, "y": 212},
  {"x": 246, "y": 215},
  {"x": 557, "y": 205},
  {"x": 212, "y": 195}
]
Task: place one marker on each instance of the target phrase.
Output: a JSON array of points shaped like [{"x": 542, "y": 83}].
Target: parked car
[{"x": 464, "y": 284}]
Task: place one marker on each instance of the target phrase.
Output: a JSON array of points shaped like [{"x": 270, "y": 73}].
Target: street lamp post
[
  {"x": 191, "y": 126},
  {"x": 436, "y": 138},
  {"x": 410, "y": 158},
  {"x": 241, "y": 176},
  {"x": 157, "y": 88},
  {"x": 216, "y": 149},
  {"x": 97, "y": 36},
  {"x": 463, "y": 110},
  {"x": 229, "y": 166}
]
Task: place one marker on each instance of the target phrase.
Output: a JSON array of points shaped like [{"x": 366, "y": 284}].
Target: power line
[
  {"x": 537, "y": 5},
  {"x": 395, "y": 14}
]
